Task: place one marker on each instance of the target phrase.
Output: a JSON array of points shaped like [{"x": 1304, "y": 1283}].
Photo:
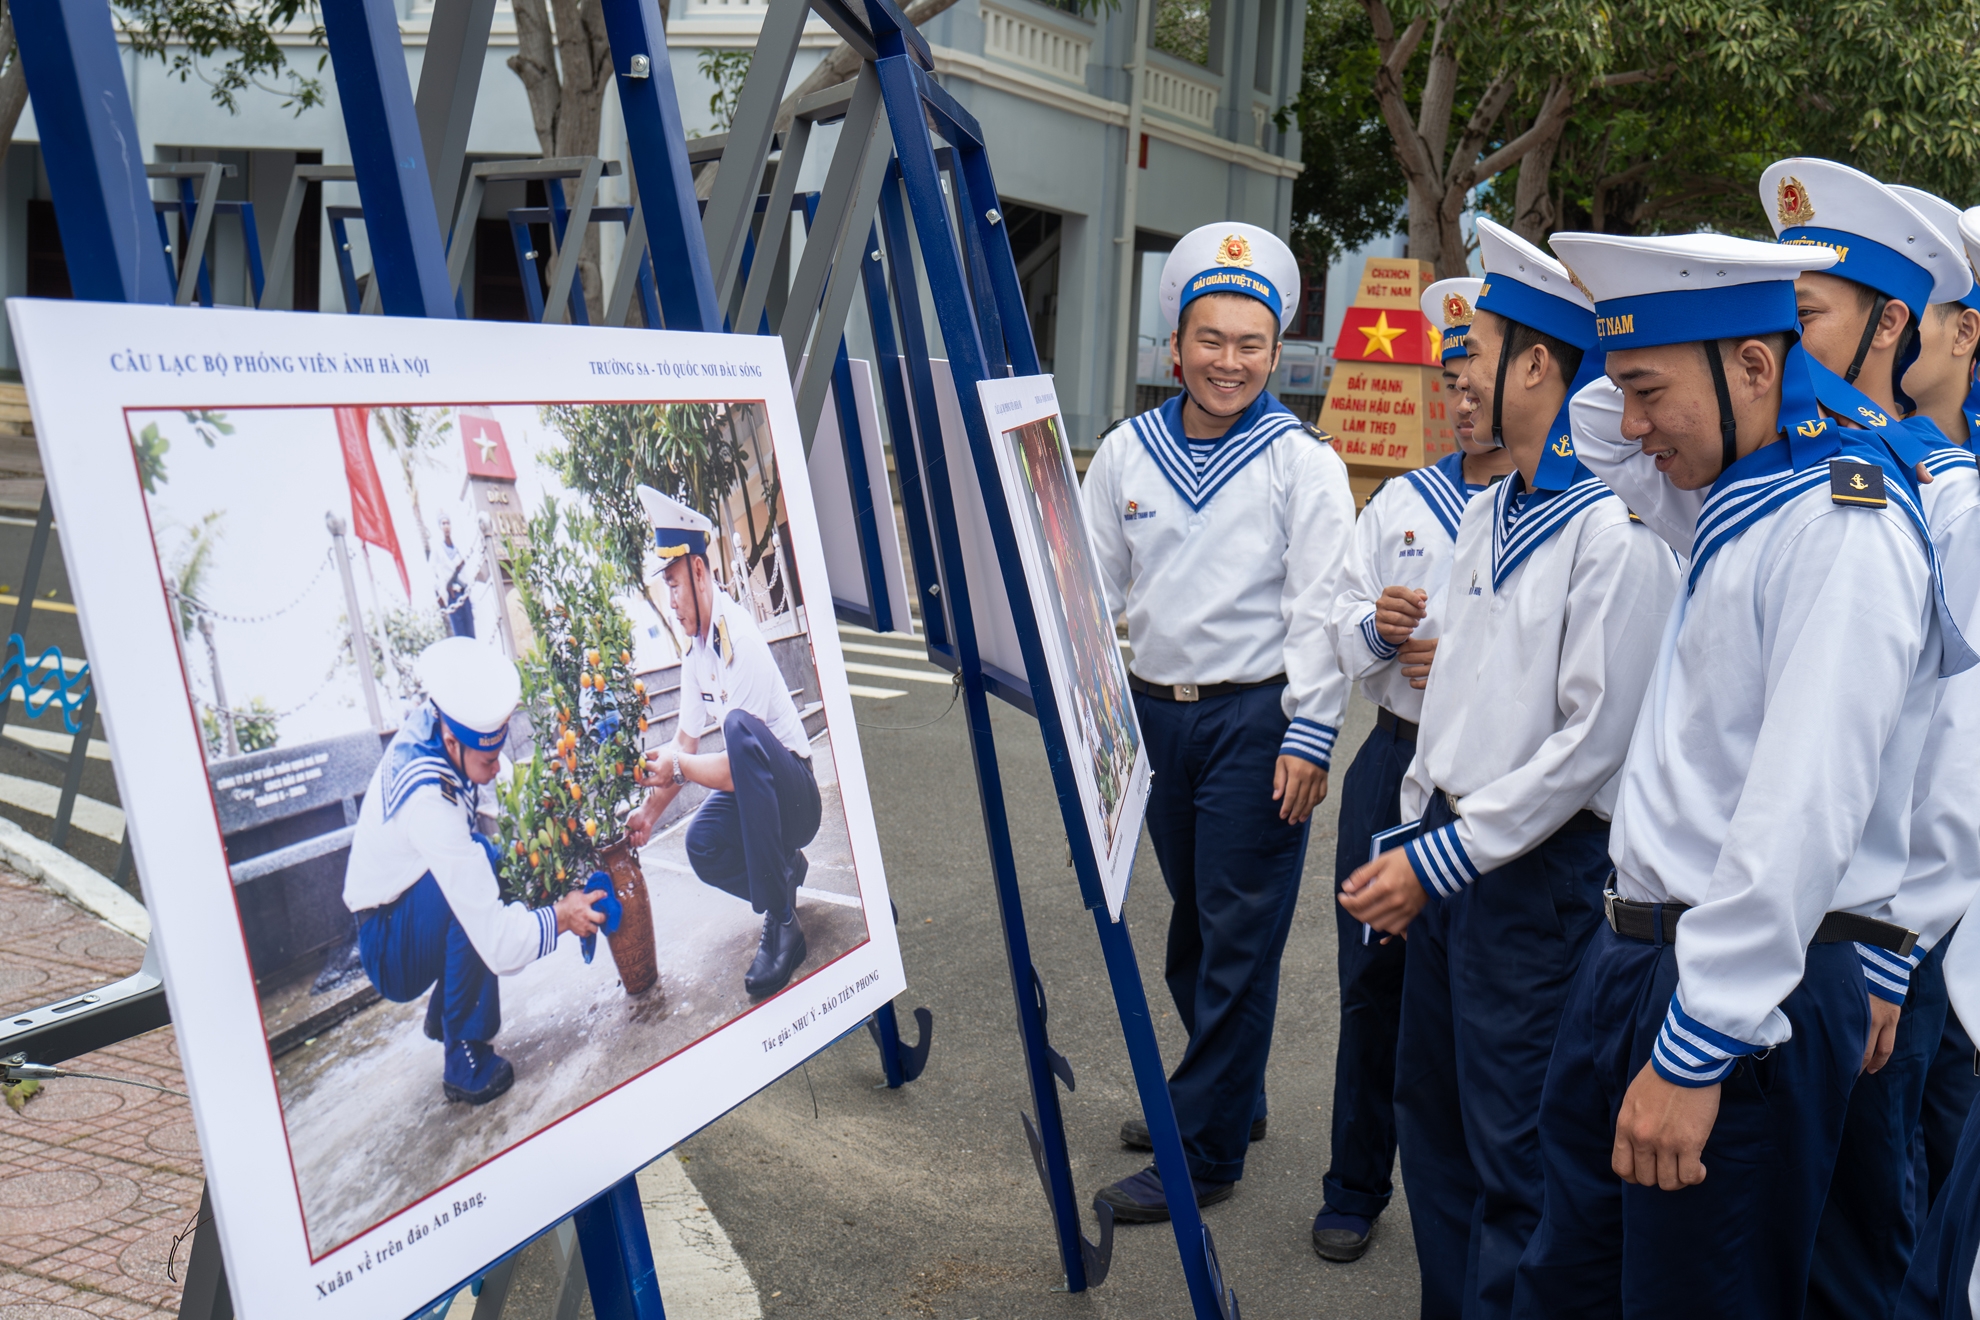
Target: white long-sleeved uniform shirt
[
  {"x": 1227, "y": 559},
  {"x": 1547, "y": 646},
  {"x": 1405, "y": 537},
  {"x": 1770, "y": 778},
  {"x": 428, "y": 829},
  {"x": 1942, "y": 873}
]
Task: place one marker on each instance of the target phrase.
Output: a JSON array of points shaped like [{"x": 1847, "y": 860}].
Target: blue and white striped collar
[
  {"x": 1542, "y": 514},
  {"x": 1161, "y": 433},
  {"x": 1953, "y": 456},
  {"x": 1442, "y": 487},
  {"x": 415, "y": 758}
]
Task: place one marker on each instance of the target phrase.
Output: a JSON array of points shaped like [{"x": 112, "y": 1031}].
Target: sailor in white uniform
[
  {"x": 422, "y": 883},
  {"x": 1384, "y": 630},
  {"x": 1222, "y": 524},
  {"x": 763, "y": 806},
  {"x": 1941, "y": 381},
  {"x": 1944, "y": 1279},
  {"x": 1557, "y": 598},
  {"x": 1766, "y": 800},
  {"x": 1897, "y": 264}
]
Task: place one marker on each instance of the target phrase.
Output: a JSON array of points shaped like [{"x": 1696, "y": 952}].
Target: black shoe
[
  {"x": 1140, "y": 1199},
  {"x": 433, "y": 1027},
  {"x": 1134, "y": 1133},
  {"x": 475, "y": 1073},
  {"x": 777, "y": 957},
  {"x": 1338, "y": 1236}
]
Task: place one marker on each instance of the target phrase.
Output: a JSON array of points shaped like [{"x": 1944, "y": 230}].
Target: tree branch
[
  {"x": 1553, "y": 113},
  {"x": 1404, "y": 49},
  {"x": 1462, "y": 172},
  {"x": 13, "y": 82}
]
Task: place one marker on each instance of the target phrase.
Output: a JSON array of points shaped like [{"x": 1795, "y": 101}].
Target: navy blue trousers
[
  {"x": 413, "y": 944},
  {"x": 1950, "y": 1091},
  {"x": 1487, "y": 978},
  {"x": 1936, "y": 1288},
  {"x": 1868, "y": 1230},
  {"x": 1232, "y": 867},
  {"x": 1737, "y": 1245},
  {"x": 746, "y": 841},
  {"x": 1360, "y": 1179}
]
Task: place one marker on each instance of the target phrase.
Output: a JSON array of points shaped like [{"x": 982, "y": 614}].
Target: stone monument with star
[{"x": 1387, "y": 408}]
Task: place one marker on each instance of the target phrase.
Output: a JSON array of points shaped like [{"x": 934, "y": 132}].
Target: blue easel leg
[
  {"x": 618, "y": 1258},
  {"x": 1206, "y": 1292}
]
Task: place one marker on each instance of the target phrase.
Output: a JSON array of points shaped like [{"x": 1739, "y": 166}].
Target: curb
[{"x": 86, "y": 888}]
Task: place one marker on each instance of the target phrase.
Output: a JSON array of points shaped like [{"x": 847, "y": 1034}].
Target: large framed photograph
[
  {"x": 424, "y": 649},
  {"x": 1089, "y": 679}
]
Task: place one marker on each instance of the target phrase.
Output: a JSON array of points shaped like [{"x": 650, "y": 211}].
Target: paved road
[{"x": 923, "y": 1202}]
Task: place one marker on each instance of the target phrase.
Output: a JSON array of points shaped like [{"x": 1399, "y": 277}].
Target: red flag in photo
[{"x": 371, "y": 518}]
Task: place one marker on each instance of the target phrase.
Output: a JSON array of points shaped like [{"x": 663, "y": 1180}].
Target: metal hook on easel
[
  {"x": 1060, "y": 1065},
  {"x": 902, "y": 1062},
  {"x": 1097, "y": 1257},
  {"x": 1227, "y": 1302}
]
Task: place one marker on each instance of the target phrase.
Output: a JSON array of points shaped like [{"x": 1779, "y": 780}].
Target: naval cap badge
[
  {"x": 1791, "y": 202},
  {"x": 1457, "y": 310},
  {"x": 1235, "y": 250}
]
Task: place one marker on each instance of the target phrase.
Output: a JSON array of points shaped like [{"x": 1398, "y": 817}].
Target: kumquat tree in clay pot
[{"x": 563, "y": 807}]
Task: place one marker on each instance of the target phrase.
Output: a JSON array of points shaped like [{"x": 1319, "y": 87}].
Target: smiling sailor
[
  {"x": 1384, "y": 631},
  {"x": 1723, "y": 1012},
  {"x": 1222, "y": 524},
  {"x": 422, "y": 882}
]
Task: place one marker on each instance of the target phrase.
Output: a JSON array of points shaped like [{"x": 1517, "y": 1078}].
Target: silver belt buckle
[
  {"x": 1451, "y": 801},
  {"x": 1184, "y": 691},
  {"x": 1609, "y": 907}
]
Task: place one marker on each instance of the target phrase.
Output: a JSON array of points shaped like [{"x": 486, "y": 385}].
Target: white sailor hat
[
  {"x": 1943, "y": 216},
  {"x": 677, "y": 529},
  {"x": 473, "y": 687},
  {"x": 1231, "y": 257},
  {"x": 1683, "y": 288},
  {"x": 1969, "y": 237},
  {"x": 1881, "y": 241},
  {"x": 1449, "y": 305},
  {"x": 1524, "y": 284}
]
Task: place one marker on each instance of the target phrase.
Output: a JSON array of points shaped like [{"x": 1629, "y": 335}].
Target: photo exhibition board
[
  {"x": 838, "y": 525},
  {"x": 996, "y": 632},
  {"x": 245, "y": 500},
  {"x": 1089, "y": 680}
]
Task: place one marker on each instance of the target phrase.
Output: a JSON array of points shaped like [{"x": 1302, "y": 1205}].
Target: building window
[
  {"x": 1182, "y": 29},
  {"x": 1268, "y": 45},
  {"x": 47, "y": 268},
  {"x": 1034, "y": 236}
]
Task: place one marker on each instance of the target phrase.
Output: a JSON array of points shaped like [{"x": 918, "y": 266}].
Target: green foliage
[
  {"x": 254, "y": 728},
  {"x": 1352, "y": 190},
  {"x": 684, "y": 450},
  {"x": 410, "y": 433},
  {"x": 185, "y": 35},
  {"x": 586, "y": 709},
  {"x": 726, "y": 69},
  {"x": 1182, "y": 29},
  {"x": 151, "y": 448},
  {"x": 189, "y": 564}
]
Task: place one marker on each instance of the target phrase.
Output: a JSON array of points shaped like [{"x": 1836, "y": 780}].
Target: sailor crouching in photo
[
  {"x": 763, "y": 806},
  {"x": 422, "y": 882}
]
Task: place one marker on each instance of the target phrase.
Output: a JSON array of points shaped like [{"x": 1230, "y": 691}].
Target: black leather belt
[
  {"x": 1390, "y": 722},
  {"x": 1197, "y": 691},
  {"x": 1578, "y": 822},
  {"x": 1656, "y": 923}
]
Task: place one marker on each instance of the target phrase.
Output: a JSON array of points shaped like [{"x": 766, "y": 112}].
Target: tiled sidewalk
[{"x": 95, "y": 1178}]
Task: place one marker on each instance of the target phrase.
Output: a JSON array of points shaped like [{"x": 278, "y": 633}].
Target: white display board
[
  {"x": 838, "y": 525},
  {"x": 1089, "y": 680},
  {"x": 201, "y": 462}
]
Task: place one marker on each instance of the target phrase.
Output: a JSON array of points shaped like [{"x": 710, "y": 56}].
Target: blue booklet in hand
[{"x": 1383, "y": 842}]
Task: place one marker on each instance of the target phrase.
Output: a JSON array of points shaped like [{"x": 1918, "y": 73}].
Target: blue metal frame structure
[{"x": 82, "y": 106}]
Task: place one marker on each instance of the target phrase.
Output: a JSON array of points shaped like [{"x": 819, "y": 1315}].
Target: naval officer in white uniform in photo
[
  {"x": 763, "y": 805},
  {"x": 422, "y": 883},
  {"x": 1696, "y": 1098},
  {"x": 1384, "y": 631},
  {"x": 1222, "y": 524},
  {"x": 1558, "y": 597}
]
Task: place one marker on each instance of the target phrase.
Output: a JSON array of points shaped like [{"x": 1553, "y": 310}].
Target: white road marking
[
  {"x": 912, "y": 676},
  {"x": 877, "y": 694},
  {"x": 898, "y": 654},
  {"x": 91, "y": 816},
  {"x": 49, "y": 741}
]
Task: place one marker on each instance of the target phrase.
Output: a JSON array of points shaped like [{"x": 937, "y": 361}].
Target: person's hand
[
  {"x": 1883, "y": 1034},
  {"x": 577, "y": 913},
  {"x": 1415, "y": 656},
  {"x": 657, "y": 769},
  {"x": 1661, "y": 1132},
  {"x": 1385, "y": 893},
  {"x": 1298, "y": 786},
  {"x": 639, "y": 825},
  {"x": 1397, "y": 612}
]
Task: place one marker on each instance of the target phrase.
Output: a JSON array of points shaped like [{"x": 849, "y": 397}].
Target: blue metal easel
[{"x": 104, "y": 205}]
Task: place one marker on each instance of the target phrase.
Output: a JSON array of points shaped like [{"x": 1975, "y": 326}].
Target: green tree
[
  {"x": 185, "y": 35},
  {"x": 254, "y": 728},
  {"x": 188, "y": 565},
  {"x": 685, "y": 450},
  {"x": 1352, "y": 189},
  {"x": 412, "y": 434},
  {"x": 726, "y": 69}
]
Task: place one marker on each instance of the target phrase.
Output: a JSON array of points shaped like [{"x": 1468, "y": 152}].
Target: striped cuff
[
  {"x": 1382, "y": 650},
  {"x": 1309, "y": 740},
  {"x": 546, "y": 930},
  {"x": 1440, "y": 861},
  {"x": 1886, "y": 974},
  {"x": 1689, "y": 1053}
]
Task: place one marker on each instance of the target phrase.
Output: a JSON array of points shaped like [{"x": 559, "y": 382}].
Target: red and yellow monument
[{"x": 1386, "y": 407}]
